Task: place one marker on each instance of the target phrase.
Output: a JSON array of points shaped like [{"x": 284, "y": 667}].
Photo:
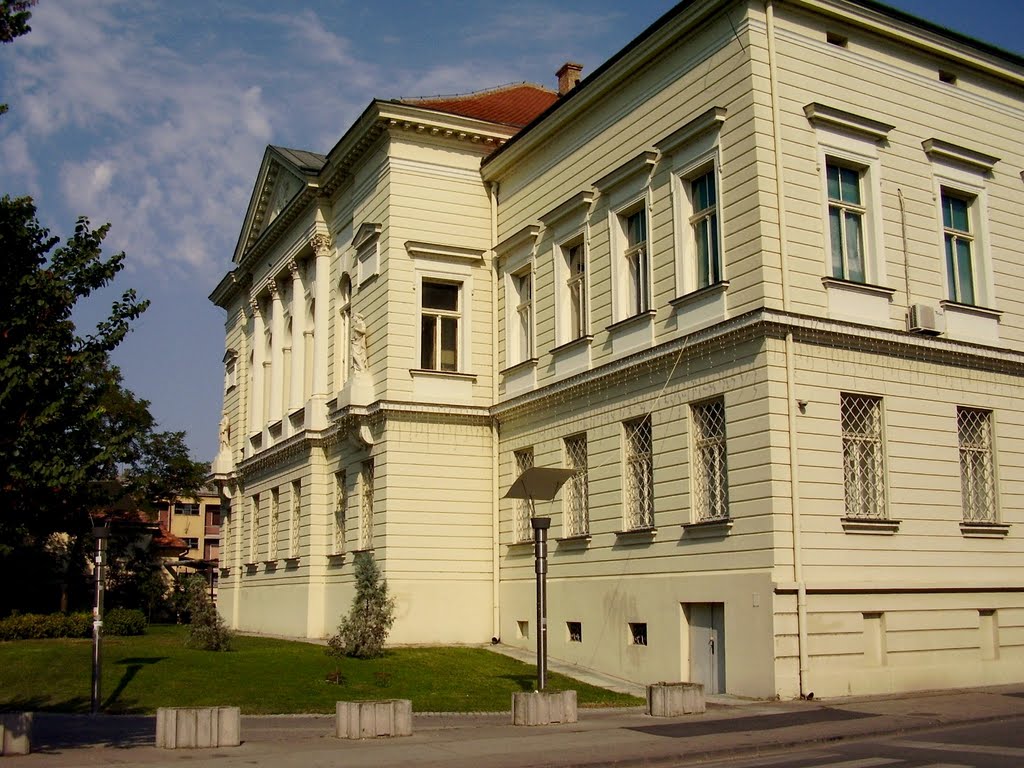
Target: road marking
[{"x": 962, "y": 748}]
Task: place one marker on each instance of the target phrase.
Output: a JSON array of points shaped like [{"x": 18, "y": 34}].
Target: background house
[{"x": 755, "y": 278}]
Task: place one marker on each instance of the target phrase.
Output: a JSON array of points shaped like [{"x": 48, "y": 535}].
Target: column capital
[
  {"x": 293, "y": 267},
  {"x": 254, "y": 306},
  {"x": 272, "y": 287},
  {"x": 320, "y": 243}
]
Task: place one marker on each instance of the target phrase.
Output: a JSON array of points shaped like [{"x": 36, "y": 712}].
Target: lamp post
[{"x": 101, "y": 533}]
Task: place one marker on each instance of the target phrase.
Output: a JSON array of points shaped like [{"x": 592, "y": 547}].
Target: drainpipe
[
  {"x": 492, "y": 194},
  {"x": 794, "y": 457}
]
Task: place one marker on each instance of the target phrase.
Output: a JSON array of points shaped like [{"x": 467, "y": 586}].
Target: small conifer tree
[
  {"x": 363, "y": 632},
  {"x": 207, "y": 630}
]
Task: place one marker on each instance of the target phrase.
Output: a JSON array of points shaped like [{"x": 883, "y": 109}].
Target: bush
[
  {"x": 207, "y": 630},
  {"x": 124, "y": 621},
  {"x": 363, "y": 632},
  {"x": 34, "y": 626}
]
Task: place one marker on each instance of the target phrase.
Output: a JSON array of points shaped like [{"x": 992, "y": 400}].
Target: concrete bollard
[
  {"x": 373, "y": 719},
  {"x": 672, "y": 699},
  {"x": 198, "y": 727},
  {"x": 15, "y": 733},
  {"x": 543, "y": 708}
]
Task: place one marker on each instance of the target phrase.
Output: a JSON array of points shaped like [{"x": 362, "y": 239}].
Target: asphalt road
[{"x": 997, "y": 744}]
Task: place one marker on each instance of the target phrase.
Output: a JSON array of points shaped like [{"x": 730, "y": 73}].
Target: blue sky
[{"x": 153, "y": 115}]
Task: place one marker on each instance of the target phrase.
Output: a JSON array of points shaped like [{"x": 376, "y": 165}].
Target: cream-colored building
[{"x": 757, "y": 277}]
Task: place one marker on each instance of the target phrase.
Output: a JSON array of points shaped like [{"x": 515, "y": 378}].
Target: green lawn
[{"x": 263, "y": 676}]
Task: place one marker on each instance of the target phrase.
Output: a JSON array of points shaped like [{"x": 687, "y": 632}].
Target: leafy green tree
[
  {"x": 14, "y": 16},
  {"x": 207, "y": 630},
  {"x": 363, "y": 632}
]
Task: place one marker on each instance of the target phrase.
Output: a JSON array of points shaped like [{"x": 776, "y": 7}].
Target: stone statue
[
  {"x": 359, "y": 363},
  {"x": 225, "y": 432}
]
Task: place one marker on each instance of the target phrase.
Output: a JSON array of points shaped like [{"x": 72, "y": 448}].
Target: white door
[{"x": 707, "y": 645}]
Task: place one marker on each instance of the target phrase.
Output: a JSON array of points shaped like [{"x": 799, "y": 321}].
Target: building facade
[
  {"x": 756, "y": 278},
  {"x": 194, "y": 522}
]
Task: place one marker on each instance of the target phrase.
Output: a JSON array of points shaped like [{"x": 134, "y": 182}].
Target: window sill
[
  {"x": 251, "y": 567},
  {"x": 629, "y": 321},
  {"x": 852, "y": 285},
  {"x": 573, "y": 542},
  {"x": 971, "y": 309},
  {"x": 358, "y": 550},
  {"x": 865, "y": 525},
  {"x": 269, "y": 563},
  {"x": 569, "y": 345},
  {"x": 521, "y": 544},
  {"x": 706, "y": 529},
  {"x": 335, "y": 558},
  {"x": 528, "y": 364},
  {"x": 292, "y": 562},
  {"x": 637, "y": 535},
  {"x": 701, "y": 293},
  {"x": 428, "y": 372},
  {"x": 984, "y": 530}
]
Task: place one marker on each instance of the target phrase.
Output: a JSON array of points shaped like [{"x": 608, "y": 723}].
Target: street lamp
[
  {"x": 101, "y": 533},
  {"x": 540, "y": 483}
]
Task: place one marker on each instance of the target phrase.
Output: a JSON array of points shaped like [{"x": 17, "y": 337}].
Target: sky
[{"x": 153, "y": 116}]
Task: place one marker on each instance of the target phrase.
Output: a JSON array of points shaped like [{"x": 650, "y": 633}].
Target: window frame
[
  {"x": 637, "y": 486},
  {"x": 700, "y": 160},
  {"x": 969, "y": 469},
  {"x": 847, "y": 210},
  {"x": 576, "y": 497},
  {"x": 862, "y": 508},
  {"x": 633, "y": 260},
  {"x": 707, "y": 449},
  {"x": 860, "y": 156},
  {"x": 522, "y": 509},
  {"x": 367, "y": 484},
  {"x": 573, "y": 311},
  {"x": 440, "y": 314},
  {"x": 521, "y": 315}
]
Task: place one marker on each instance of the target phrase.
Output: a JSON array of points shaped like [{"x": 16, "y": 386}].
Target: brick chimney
[{"x": 568, "y": 77}]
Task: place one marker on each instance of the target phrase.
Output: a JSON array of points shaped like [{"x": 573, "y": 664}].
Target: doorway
[{"x": 706, "y": 622}]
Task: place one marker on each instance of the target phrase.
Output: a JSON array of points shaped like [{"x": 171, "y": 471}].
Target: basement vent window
[
  {"x": 575, "y": 631},
  {"x": 638, "y": 633},
  {"x": 522, "y": 630},
  {"x": 834, "y": 38},
  {"x": 947, "y": 77}
]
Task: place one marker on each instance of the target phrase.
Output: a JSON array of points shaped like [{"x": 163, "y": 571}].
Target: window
[
  {"x": 846, "y": 212},
  {"x": 522, "y": 288},
  {"x": 340, "y": 507},
  {"x": 275, "y": 514},
  {"x": 181, "y": 508},
  {"x": 638, "y": 633},
  {"x": 576, "y": 511},
  {"x": 254, "y": 526},
  {"x": 439, "y": 327},
  {"x": 213, "y": 515},
  {"x": 634, "y": 229},
  {"x": 211, "y": 549},
  {"x": 522, "y": 530},
  {"x": 710, "y": 469},
  {"x": 863, "y": 456},
  {"x": 366, "y": 506},
  {"x": 704, "y": 227},
  {"x": 959, "y": 246},
  {"x": 639, "y": 475},
  {"x": 191, "y": 542},
  {"x": 576, "y": 290},
  {"x": 575, "y": 631},
  {"x": 977, "y": 465},
  {"x": 295, "y": 522}
]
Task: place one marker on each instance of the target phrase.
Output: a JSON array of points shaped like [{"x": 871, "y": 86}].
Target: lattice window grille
[
  {"x": 366, "y": 508},
  {"x": 977, "y": 465},
  {"x": 254, "y": 526},
  {"x": 523, "y": 507},
  {"x": 340, "y": 507},
  {"x": 711, "y": 473},
  {"x": 863, "y": 456},
  {"x": 639, "y": 475},
  {"x": 577, "y": 505},
  {"x": 293, "y": 525},
  {"x": 274, "y": 520}
]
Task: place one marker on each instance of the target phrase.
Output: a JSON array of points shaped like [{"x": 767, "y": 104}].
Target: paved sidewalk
[{"x": 620, "y": 737}]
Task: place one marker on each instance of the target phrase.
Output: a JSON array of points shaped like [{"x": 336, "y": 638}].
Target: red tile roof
[{"x": 516, "y": 105}]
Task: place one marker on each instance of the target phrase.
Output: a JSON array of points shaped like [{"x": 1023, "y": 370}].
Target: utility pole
[
  {"x": 540, "y": 551},
  {"x": 101, "y": 533}
]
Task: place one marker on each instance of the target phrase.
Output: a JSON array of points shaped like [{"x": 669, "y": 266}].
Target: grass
[{"x": 263, "y": 676}]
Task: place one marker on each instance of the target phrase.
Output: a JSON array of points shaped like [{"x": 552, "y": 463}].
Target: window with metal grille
[
  {"x": 846, "y": 213},
  {"x": 959, "y": 246},
  {"x": 639, "y": 475},
  {"x": 340, "y": 506},
  {"x": 863, "y": 456},
  {"x": 295, "y": 521},
  {"x": 577, "y": 510},
  {"x": 634, "y": 227},
  {"x": 254, "y": 526},
  {"x": 274, "y": 519},
  {"x": 710, "y": 467},
  {"x": 523, "y": 511},
  {"x": 575, "y": 630},
  {"x": 977, "y": 465},
  {"x": 366, "y": 507}
]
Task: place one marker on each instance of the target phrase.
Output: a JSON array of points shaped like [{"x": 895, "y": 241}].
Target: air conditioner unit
[{"x": 925, "y": 319}]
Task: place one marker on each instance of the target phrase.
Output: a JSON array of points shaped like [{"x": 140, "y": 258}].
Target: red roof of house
[{"x": 515, "y": 105}]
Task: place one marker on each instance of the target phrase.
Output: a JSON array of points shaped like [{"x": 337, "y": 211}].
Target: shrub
[
  {"x": 363, "y": 632},
  {"x": 124, "y": 621},
  {"x": 34, "y": 626},
  {"x": 207, "y": 630}
]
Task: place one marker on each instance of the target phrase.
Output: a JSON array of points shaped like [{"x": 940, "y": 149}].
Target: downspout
[
  {"x": 794, "y": 456},
  {"x": 492, "y": 194}
]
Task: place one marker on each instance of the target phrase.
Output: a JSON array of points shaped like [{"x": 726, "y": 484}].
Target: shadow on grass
[
  {"x": 133, "y": 665},
  {"x": 524, "y": 682}
]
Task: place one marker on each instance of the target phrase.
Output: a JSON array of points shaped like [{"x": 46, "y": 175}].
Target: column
[
  {"x": 321, "y": 247},
  {"x": 256, "y": 369},
  {"x": 298, "y": 397},
  {"x": 276, "y": 353}
]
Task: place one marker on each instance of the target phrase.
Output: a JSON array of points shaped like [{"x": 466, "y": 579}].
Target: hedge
[{"x": 35, "y": 626}]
